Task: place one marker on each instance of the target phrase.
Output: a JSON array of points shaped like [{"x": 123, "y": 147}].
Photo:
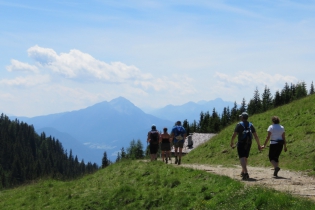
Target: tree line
[
  {"x": 26, "y": 156},
  {"x": 134, "y": 151},
  {"x": 214, "y": 122}
]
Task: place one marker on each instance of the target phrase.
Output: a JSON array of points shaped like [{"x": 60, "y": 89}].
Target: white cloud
[
  {"x": 26, "y": 81},
  {"x": 178, "y": 83},
  {"x": 245, "y": 78},
  {"x": 82, "y": 66},
  {"x": 20, "y": 66}
]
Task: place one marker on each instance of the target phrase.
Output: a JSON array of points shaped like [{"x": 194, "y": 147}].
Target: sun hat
[{"x": 244, "y": 115}]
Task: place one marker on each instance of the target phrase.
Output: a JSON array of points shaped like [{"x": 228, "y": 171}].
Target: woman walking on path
[
  {"x": 277, "y": 143},
  {"x": 165, "y": 140}
]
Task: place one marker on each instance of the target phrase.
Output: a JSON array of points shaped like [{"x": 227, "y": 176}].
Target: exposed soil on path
[{"x": 295, "y": 183}]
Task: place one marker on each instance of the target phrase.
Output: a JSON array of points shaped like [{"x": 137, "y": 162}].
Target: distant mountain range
[
  {"x": 106, "y": 126},
  {"x": 109, "y": 126},
  {"x": 191, "y": 110}
]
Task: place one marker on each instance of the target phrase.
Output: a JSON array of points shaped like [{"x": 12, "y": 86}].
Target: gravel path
[{"x": 293, "y": 182}]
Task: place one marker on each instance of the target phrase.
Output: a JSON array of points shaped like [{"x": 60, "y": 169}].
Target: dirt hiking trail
[{"x": 293, "y": 182}]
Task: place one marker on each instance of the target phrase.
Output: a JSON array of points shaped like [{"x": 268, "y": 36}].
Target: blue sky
[{"x": 59, "y": 56}]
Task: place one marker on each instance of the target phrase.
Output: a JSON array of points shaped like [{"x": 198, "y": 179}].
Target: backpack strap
[{"x": 242, "y": 124}]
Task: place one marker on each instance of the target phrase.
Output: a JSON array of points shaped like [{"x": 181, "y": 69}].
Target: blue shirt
[{"x": 178, "y": 132}]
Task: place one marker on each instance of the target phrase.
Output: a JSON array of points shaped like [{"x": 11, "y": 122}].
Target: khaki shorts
[{"x": 179, "y": 144}]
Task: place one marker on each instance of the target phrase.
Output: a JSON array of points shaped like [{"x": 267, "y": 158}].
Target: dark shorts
[
  {"x": 154, "y": 148},
  {"x": 275, "y": 151},
  {"x": 243, "y": 149},
  {"x": 179, "y": 144},
  {"x": 165, "y": 146}
]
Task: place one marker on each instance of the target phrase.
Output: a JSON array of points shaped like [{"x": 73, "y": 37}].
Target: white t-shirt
[{"x": 276, "y": 132}]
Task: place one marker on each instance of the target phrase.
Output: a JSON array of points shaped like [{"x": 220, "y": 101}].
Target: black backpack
[
  {"x": 154, "y": 136},
  {"x": 247, "y": 134}
]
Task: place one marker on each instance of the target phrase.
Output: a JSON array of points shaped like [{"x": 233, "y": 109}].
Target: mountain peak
[
  {"x": 123, "y": 105},
  {"x": 120, "y": 101}
]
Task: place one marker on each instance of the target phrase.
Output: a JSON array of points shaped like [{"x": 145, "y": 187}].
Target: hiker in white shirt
[{"x": 276, "y": 134}]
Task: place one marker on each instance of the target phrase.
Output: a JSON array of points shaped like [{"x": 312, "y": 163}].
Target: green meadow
[
  {"x": 134, "y": 184},
  {"x": 148, "y": 185}
]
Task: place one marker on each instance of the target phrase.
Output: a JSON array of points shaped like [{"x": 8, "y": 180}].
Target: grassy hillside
[
  {"x": 298, "y": 119},
  {"x": 148, "y": 185}
]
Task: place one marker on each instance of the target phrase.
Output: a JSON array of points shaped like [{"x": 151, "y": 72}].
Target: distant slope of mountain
[
  {"x": 107, "y": 126},
  {"x": 191, "y": 111}
]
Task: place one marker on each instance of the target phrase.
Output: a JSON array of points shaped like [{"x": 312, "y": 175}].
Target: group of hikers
[
  {"x": 245, "y": 131},
  {"x": 166, "y": 140}
]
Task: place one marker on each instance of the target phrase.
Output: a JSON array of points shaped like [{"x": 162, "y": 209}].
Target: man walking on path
[
  {"x": 179, "y": 135},
  {"x": 245, "y": 131},
  {"x": 153, "y": 139}
]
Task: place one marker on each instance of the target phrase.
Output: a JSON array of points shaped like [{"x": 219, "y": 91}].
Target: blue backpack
[
  {"x": 247, "y": 134},
  {"x": 178, "y": 132}
]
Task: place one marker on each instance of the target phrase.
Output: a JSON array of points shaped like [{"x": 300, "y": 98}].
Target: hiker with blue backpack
[
  {"x": 153, "y": 139},
  {"x": 179, "y": 135},
  {"x": 245, "y": 131},
  {"x": 277, "y": 143}
]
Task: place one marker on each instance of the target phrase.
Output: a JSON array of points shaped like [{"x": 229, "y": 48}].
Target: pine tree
[
  {"x": 224, "y": 118},
  {"x": 311, "y": 89},
  {"x": 139, "y": 151},
  {"x": 254, "y": 105},
  {"x": 277, "y": 101},
  {"x": 132, "y": 150},
  {"x": 243, "y": 107},
  {"x": 301, "y": 90},
  {"x": 118, "y": 158},
  {"x": 122, "y": 153},
  {"x": 186, "y": 126},
  {"x": 234, "y": 112},
  {"x": 215, "y": 122},
  {"x": 267, "y": 100},
  {"x": 105, "y": 160},
  {"x": 286, "y": 94}
]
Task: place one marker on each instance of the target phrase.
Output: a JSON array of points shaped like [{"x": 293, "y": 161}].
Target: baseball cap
[{"x": 244, "y": 115}]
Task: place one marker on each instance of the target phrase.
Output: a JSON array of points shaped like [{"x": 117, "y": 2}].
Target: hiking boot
[
  {"x": 245, "y": 176},
  {"x": 242, "y": 174},
  {"x": 166, "y": 161},
  {"x": 179, "y": 161},
  {"x": 176, "y": 160},
  {"x": 277, "y": 169}
]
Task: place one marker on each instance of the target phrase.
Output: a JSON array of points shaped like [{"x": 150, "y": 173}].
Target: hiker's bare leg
[
  {"x": 153, "y": 157},
  {"x": 175, "y": 151},
  {"x": 180, "y": 153},
  {"x": 274, "y": 163},
  {"x": 243, "y": 162}
]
